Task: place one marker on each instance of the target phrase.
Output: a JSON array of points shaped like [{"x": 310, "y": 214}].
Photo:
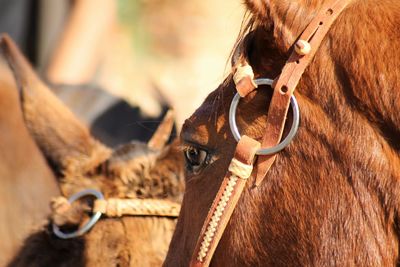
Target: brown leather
[
  {"x": 245, "y": 152},
  {"x": 289, "y": 78},
  {"x": 245, "y": 86},
  {"x": 239, "y": 59}
]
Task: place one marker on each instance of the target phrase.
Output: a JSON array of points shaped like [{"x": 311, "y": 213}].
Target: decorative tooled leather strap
[
  {"x": 241, "y": 165},
  {"x": 224, "y": 203}
]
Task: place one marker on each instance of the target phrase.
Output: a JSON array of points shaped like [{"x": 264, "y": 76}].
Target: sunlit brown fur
[
  {"x": 332, "y": 197},
  {"x": 26, "y": 181}
]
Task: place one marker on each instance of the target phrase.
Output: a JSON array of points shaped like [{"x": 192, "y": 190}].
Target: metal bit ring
[
  {"x": 96, "y": 216},
  {"x": 288, "y": 138}
]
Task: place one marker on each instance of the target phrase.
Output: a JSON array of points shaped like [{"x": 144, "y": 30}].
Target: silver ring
[
  {"x": 96, "y": 216},
  {"x": 288, "y": 138}
]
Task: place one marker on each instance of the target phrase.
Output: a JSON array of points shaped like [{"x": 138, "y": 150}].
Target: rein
[
  {"x": 241, "y": 166},
  {"x": 112, "y": 207}
]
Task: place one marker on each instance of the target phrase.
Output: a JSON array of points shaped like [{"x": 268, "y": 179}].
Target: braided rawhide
[
  {"x": 66, "y": 213},
  {"x": 115, "y": 207}
]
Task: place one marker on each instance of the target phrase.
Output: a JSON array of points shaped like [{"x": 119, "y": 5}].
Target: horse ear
[
  {"x": 163, "y": 132},
  {"x": 63, "y": 139},
  {"x": 257, "y": 7}
]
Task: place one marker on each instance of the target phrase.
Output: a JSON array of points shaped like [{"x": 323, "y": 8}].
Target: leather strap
[
  {"x": 242, "y": 72},
  {"x": 225, "y": 201},
  {"x": 289, "y": 78}
]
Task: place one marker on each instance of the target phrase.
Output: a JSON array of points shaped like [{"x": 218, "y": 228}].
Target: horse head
[
  {"x": 67, "y": 143},
  {"x": 79, "y": 161},
  {"x": 332, "y": 196}
]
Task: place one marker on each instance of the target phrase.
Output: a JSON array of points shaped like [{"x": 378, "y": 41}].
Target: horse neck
[
  {"x": 354, "y": 91},
  {"x": 339, "y": 173}
]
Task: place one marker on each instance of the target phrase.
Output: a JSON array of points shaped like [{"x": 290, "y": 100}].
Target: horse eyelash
[
  {"x": 185, "y": 147},
  {"x": 188, "y": 146}
]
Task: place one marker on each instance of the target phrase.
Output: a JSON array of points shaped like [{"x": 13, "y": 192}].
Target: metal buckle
[
  {"x": 288, "y": 138},
  {"x": 96, "y": 216}
]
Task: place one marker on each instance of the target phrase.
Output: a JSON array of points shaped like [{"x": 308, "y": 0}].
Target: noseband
[
  {"x": 116, "y": 208},
  {"x": 241, "y": 166}
]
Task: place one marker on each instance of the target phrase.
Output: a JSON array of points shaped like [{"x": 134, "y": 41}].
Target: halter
[
  {"x": 241, "y": 166},
  {"x": 116, "y": 207}
]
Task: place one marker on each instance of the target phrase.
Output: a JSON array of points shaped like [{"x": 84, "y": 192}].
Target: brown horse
[
  {"x": 27, "y": 182},
  {"x": 332, "y": 196},
  {"x": 80, "y": 162}
]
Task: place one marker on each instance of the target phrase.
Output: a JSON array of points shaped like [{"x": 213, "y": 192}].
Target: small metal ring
[
  {"x": 96, "y": 216},
  {"x": 288, "y": 138}
]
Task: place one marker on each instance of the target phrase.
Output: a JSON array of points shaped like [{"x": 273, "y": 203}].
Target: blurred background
[{"x": 120, "y": 64}]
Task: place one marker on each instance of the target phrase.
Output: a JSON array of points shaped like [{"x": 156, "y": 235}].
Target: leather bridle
[
  {"x": 111, "y": 208},
  {"x": 241, "y": 166}
]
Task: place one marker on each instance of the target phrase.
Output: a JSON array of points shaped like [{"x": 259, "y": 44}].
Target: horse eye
[{"x": 195, "y": 159}]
